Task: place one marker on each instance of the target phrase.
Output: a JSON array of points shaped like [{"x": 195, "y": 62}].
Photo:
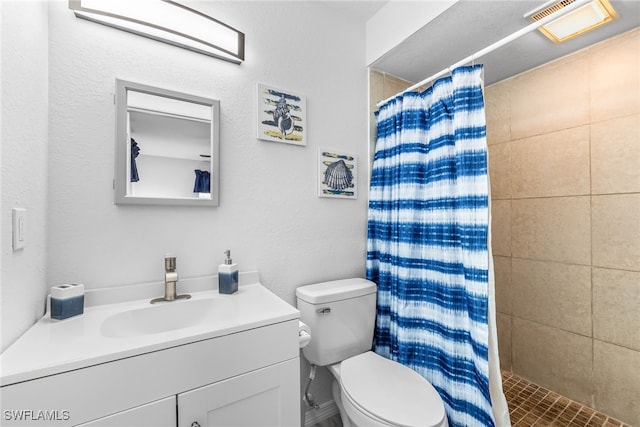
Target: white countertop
[{"x": 50, "y": 347}]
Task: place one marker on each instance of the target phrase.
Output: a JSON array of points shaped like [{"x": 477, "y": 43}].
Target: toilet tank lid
[{"x": 335, "y": 290}]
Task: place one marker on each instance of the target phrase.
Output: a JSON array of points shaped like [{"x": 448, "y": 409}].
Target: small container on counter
[
  {"x": 67, "y": 301},
  {"x": 228, "y": 276}
]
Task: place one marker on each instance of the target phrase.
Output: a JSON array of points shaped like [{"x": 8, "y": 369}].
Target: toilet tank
[{"x": 341, "y": 315}]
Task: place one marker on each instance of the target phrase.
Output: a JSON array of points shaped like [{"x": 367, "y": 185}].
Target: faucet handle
[{"x": 170, "y": 263}]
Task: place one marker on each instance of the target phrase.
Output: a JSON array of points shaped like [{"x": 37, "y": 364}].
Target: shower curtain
[{"x": 428, "y": 244}]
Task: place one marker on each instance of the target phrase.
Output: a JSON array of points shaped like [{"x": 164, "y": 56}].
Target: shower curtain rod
[{"x": 508, "y": 39}]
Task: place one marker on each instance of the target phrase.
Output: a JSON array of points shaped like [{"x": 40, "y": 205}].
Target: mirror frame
[{"x": 121, "y": 157}]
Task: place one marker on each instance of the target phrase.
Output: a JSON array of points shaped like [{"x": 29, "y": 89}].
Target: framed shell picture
[
  {"x": 337, "y": 174},
  {"x": 282, "y": 116}
]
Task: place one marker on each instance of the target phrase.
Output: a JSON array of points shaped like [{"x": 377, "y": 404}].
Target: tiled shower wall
[
  {"x": 564, "y": 152},
  {"x": 564, "y": 157}
]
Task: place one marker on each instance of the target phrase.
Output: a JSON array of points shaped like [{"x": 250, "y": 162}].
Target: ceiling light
[
  {"x": 166, "y": 21},
  {"x": 585, "y": 18}
]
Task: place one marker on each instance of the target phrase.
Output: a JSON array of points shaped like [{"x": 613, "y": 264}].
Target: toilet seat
[{"x": 389, "y": 393}]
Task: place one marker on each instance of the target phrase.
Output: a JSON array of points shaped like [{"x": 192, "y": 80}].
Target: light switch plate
[{"x": 19, "y": 218}]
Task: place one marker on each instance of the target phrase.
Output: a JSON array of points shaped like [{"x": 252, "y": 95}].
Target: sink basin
[{"x": 166, "y": 317}]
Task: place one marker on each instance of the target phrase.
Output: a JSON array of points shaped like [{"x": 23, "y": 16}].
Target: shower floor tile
[{"x": 532, "y": 405}]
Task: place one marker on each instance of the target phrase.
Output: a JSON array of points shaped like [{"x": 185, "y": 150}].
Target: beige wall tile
[
  {"x": 553, "y": 358},
  {"x": 503, "y": 322},
  {"x": 550, "y": 98},
  {"x": 383, "y": 86},
  {"x": 502, "y": 269},
  {"x": 615, "y": 155},
  {"x": 501, "y": 227},
  {"x": 376, "y": 86},
  {"x": 616, "y": 231},
  {"x": 557, "y": 102},
  {"x": 616, "y": 378},
  {"x": 497, "y": 110},
  {"x": 615, "y": 77},
  {"x": 554, "y": 164},
  {"x": 616, "y": 307},
  {"x": 393, "y": 85},
  {"x": 557, "y": 295},
  {"x": 500, "y": 170},
  {"x": 553, "y": 229}
]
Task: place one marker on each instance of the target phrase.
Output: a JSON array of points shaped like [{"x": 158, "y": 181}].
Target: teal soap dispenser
[{"x": 228, "y": 275}]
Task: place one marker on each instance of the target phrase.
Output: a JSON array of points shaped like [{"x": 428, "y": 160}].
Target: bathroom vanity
[{"x": 229, "y": 360}]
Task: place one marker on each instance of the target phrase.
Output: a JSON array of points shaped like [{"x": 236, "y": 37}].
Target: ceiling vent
[
  {"x": 587, "y": 17},
  {"x": 551, "y": 9}
]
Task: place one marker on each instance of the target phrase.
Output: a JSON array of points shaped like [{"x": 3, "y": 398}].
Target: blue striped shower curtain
[{"x": 427, "y": 246}]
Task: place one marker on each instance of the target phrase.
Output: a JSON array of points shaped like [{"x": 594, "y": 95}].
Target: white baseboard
[{"x": 314, "y": 416}]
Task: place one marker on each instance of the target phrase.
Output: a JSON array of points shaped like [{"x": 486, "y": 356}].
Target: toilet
[{"x": 369, "y": 390}]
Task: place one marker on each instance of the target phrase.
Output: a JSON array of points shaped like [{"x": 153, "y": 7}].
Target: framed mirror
[{"x": 166, "y": 148}]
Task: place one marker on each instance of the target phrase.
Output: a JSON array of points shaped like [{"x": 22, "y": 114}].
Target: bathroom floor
[
  {"x": 532, "y": 405},
  {"x": 333, "y": 421}
]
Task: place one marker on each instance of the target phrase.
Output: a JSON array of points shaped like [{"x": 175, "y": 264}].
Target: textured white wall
[
  {"x": 24, "y": 61},
  {"x": 58, "y": 80},
  {"x": 269, "y": 215}
]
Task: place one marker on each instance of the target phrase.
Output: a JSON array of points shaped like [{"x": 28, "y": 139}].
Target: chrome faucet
[{"x": 170, "y": 282}]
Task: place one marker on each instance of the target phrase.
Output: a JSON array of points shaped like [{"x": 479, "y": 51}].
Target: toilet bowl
[
  {"x": 369, "y": 390},
  {"x": 377, "y": 392}
]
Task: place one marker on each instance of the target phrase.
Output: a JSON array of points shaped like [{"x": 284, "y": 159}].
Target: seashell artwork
[
  {"x": 336, "y": 174},
  {"x": 281, "y": 116}
]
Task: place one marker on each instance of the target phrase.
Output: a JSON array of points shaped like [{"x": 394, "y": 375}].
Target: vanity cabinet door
[
  {"x": 161, "y": 413},
  {"x": 265, "y": 397}
]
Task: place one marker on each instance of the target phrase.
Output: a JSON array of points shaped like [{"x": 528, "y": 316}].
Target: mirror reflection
[{"x": 166, "y": 147}]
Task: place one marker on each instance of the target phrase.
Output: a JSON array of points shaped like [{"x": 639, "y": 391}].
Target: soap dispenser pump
[{"x": 228, "y": 275}]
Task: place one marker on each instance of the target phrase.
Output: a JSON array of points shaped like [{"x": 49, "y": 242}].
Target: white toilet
[{"x": 369, "y": 389}]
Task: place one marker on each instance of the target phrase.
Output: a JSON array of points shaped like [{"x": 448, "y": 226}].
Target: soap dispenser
[{"x": 228, "y": 275}]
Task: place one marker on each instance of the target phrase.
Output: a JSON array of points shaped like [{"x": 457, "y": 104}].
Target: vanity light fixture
[
  {"x": 593, "y": 14},
  {"x": 166, "y": 21}
]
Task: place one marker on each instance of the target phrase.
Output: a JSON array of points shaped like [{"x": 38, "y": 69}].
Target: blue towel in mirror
[
  {"x": 135, "y": 150},
  {"x": 203, "y": 182}
]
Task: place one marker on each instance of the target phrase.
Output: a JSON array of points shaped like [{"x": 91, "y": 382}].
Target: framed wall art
[
  {"x": 282, "y": 116},
  {"x": 337, "y": 174}
]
